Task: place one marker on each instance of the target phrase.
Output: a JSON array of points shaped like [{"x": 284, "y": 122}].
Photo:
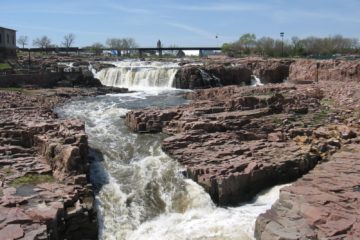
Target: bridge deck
[{"x": 143, "y": 49}]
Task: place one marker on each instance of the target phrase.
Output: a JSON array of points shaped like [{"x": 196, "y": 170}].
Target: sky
[{"x": 179, "y": 22}]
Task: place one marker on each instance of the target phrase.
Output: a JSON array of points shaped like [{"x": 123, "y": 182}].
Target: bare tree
[
  {"x": 121, "y": 43},
  {"x": 43, "y": 42},
  {"x": 23, "y": 40},
  {"x": 69, "y": 39}
]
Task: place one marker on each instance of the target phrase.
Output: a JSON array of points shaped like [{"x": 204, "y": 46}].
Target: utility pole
[
  {"x": 282, "y": 44},
  {"x": 29, "y": 60}
]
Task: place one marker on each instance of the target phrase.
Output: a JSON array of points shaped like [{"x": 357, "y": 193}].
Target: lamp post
[{"x": 282, "y": 44}]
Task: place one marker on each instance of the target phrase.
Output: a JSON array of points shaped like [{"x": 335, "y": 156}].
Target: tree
[
  {"x": 43, "y": 42},
  {"x": 247, "y": 41},
  {"x": 97, "y": 48},
  {"x": 121, "y": 43},
  {"x": 68, "y": 40},
  {"x": 23, "y": 40},
  {"x": 265, "y": 46}
]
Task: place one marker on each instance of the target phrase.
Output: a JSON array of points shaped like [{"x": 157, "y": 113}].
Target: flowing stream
[{"x": 142, "y": 193}]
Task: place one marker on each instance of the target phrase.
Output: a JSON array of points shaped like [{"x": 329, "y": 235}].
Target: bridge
[{"x": 140, "y": 50}]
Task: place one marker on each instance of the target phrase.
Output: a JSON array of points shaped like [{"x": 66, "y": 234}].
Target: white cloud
[
  {"x": 130, "y": 9},
  {"x": 222, "y": 7},
  {"x": 192, "y": 29}
]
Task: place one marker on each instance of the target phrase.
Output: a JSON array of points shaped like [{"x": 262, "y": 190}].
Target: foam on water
[
  {"x": 143, "y": 195},
  {"x": 255, "y": 81}
]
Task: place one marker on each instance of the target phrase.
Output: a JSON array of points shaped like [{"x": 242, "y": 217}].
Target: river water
[{"x": 142, "y": 193}]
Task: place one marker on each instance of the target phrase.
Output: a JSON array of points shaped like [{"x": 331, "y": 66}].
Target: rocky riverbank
[
  {"x": 229, "y": 71},
  {"x": 45, "y": 191},
  {"x": 235, "y": 141}
]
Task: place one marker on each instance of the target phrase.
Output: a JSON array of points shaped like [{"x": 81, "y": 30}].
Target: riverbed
[{"x": 142, "y": 193}]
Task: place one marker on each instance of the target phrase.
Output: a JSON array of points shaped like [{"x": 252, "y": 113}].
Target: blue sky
[{"x": 181, "y": 23}]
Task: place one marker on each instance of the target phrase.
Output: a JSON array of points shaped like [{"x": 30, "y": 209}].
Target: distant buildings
[{"x": 7, "y": 43}]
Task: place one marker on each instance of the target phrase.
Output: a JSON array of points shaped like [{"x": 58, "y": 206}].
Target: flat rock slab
[{"x": 324, "y": 204}]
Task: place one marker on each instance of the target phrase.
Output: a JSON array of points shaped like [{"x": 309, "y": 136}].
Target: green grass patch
[
  {"x": 327, "y": 102},
  {"x": 5, "y": 66},
  {"x": 32, "y": 179}
]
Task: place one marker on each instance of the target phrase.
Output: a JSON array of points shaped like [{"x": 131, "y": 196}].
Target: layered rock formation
[
  {"x": 330, "y": 70},
  {"x": 231, "y": 72},
  {"x": 214, "y": 73},
  {"x": 324, "y": 204},
  {"x": 45, "y": 193},
  {"x": 236, "y": 141}
]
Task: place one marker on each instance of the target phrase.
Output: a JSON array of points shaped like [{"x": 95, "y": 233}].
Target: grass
[
  {"x": 5, "y": 66},
  {"x": 32, "y": 179}
]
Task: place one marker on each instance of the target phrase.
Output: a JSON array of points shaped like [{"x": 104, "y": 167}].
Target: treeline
[
  {"x": 248, "y": 44},
  {"x": 69, "y": 40},
  {"x": 113, "y": 43}
]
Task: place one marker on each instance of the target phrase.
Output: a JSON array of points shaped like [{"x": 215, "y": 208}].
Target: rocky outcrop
[
  {"x": 193, "y": 77},
  {"x": 322, "y": 205},
  {"x": 329, "y": 70},
  {"x": 236, "y": 141},
  {"x": 231, "y": 72},
  {"x": 45, "y": 192}
]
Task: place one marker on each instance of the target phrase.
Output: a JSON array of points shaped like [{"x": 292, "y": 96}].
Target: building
[{"x": 7, "y": 43}]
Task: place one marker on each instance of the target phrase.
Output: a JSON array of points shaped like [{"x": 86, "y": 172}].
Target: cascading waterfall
[
  {"x": 144, "y": 195},
  {"x": 255, "y": 81},
  {"x": 139, "y": 74}
]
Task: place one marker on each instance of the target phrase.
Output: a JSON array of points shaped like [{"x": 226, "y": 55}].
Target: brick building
[{"x": 7, "y": 43}]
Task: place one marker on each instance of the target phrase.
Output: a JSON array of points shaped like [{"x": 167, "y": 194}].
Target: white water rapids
[{"x": 142, "y": 193}]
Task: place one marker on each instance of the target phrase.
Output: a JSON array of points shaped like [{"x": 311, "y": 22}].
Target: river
[{"x": 142, "y": 193}]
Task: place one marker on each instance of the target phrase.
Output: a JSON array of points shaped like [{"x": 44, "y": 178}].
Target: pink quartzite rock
[
  {"x": 43, "y": 170},
  {"x": 324, "y": 204},
  {"x": 235, "y": 141}
]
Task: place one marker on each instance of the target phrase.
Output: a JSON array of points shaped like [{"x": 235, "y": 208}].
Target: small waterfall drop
[
  {"x": 255, "y": 81},
  {"x": 139, "y": 74}
]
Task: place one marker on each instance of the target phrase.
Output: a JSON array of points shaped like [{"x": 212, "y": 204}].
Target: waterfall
[
  {"x": 255, "y": 81},
  {"x": 144, "y": 195},
  {"x": 212, "y": 80},
  {"x": 139, "y": 74}
]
